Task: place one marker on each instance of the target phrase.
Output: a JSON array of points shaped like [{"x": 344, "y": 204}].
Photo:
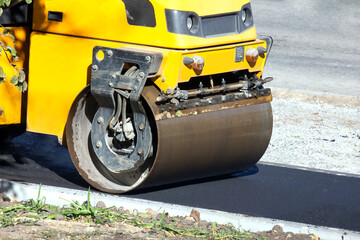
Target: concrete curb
[
  {"x": 310, "y": 169},
  {"x": 61, "y": 196}
]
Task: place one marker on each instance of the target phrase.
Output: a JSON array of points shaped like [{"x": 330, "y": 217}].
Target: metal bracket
[{"x": 106, "y": 78}]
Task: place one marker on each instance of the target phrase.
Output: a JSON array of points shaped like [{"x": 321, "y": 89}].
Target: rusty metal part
[
  {"x": 242, "y": 87},
  {"x": 212, "y": 140},
  {"x": 201, "y": 91},
  {"x": 217, "y": 102}
]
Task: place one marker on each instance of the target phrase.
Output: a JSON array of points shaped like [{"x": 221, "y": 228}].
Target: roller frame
[{"x": 107, "y": 75}]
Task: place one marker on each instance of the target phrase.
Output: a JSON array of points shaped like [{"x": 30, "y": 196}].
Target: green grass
[
  {"x": 33, "y": 210},
  {"x": 92, "y": 214}
]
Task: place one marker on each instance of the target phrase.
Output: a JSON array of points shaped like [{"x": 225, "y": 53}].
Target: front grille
[{"x": 219, "y": 25}]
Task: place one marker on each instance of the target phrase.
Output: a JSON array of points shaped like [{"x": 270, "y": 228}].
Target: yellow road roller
[{"x": 143, "y": 92}]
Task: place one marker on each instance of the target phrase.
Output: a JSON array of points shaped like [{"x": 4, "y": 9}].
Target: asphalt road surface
[{"x": 266, "y": 191}]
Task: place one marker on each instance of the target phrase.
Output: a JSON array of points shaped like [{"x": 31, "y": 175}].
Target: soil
[{"x": 26, "y": 226}]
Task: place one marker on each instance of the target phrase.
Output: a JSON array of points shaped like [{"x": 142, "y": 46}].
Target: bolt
[
  {"x": 169, "y": 90},
  {"x": 141, "y": 74},
  {"x": 163, "y": 80},
  {"x": 99, "y": 144},
  {"x": 148, "y": 58},
  {"x": 111, "y": 84},
  {"x": 100, "y": 120},
  {"x": 138, "y": 79},
  {"x": 94, "y": 67},
  {"x": 135, "y": 88},
  {"x": 109, "y": 53},
  {"x": 142, "y": 126},
  {"x": 113, "y": 76},
  {"x": 141, "y": 151},
  {"x": 236, "y": 97}
]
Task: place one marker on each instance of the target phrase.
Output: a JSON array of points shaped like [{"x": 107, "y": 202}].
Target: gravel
[{"x": 315, "y": 130}]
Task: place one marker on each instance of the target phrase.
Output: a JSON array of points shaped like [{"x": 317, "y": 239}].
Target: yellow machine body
[
  {"x": 12, "y": 110},
  {"x": 54, "y": 87},
  {"x": 198, "y": 65}
]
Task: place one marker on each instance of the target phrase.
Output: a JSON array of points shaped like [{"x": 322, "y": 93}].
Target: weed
[
  {"x": 10, "y": 216},
  {"x": 6, "y": 220},
  {"x": 48, "y": 234},
  {"x": 38, "y": 205},
  {"x": 90, "y": 213},
  {"x": 95, "y": 233}
]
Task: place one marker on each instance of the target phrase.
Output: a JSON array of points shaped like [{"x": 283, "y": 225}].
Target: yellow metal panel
[
  {"x": 59, "y": 70},
  {"x": 107, "y": 20},
  {"x": 60, "y": 67},
  {"x": 10, "y": 97},
  {"x": 217, "y": 60}
]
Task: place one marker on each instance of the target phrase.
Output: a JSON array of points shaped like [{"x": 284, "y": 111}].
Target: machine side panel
[
  {"x": 60, "y": 67},
  {"x": 10, "y": 97}
]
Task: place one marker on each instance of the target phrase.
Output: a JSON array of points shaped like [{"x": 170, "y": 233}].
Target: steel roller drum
[{"x": 207, "y": 141}]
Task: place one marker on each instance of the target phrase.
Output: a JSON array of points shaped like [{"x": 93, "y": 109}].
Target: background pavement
[
  {"x": 315, "y": 44},
  {"x": 316, "y": 56}
]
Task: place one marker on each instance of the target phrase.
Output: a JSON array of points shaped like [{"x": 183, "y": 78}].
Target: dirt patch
[{"x": 36, "y": 220}]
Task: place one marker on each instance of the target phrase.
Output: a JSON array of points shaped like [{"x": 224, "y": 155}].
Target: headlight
[
  {"x": 183, "y": 22},
  {"x": 189, "y": 23},
  {"x": 243, "y": 15},
  {"x": 246, "y": 17},
  {"x": 193, "y": 24}
]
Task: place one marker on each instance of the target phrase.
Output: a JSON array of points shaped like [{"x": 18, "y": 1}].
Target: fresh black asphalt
[{"x": 263, "y": 190}]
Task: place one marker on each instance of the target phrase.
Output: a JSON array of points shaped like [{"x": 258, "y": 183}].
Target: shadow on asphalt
[
  {"x": 250, "y": 171},
  {"x": 39, "y": 158}
]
